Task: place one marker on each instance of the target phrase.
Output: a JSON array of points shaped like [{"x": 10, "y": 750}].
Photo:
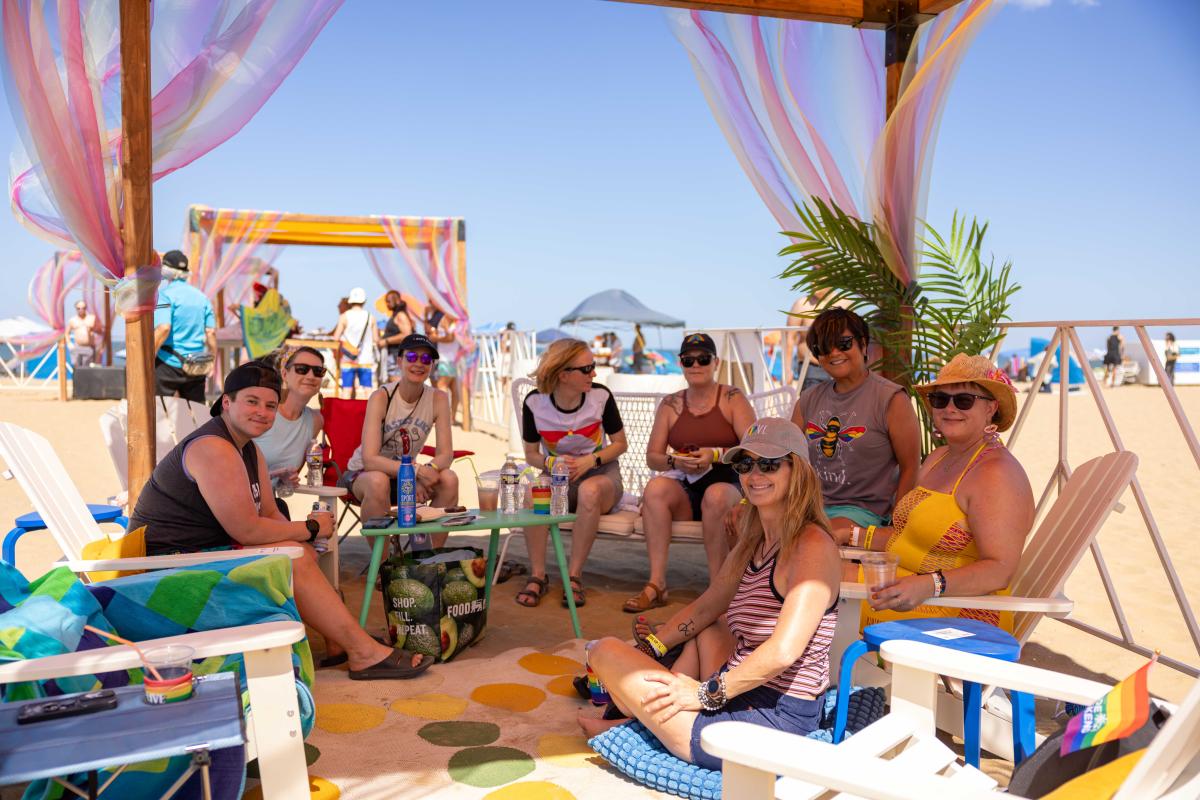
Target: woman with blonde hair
[
  {"x": 568, "y": 419},
  {"x": 285, "y": 445},
  {"x": 767, "y": 660}
]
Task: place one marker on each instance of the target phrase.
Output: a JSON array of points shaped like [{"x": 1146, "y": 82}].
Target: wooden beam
[
  {"x": 137, "y": 235},
  {"x": 859, "y": 13}
]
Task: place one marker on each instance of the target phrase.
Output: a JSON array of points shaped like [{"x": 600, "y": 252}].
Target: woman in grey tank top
[{"x": 286, "y": 444}]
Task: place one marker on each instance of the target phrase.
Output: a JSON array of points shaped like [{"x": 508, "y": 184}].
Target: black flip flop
[
  {"x": 395, "y": 666},
  {"x": 328, "y": 662}
]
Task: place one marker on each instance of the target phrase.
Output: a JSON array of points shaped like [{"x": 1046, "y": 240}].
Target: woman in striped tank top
[{"x": 767, "y": 660}]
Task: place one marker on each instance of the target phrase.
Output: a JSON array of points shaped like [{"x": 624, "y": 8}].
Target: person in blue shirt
[{"x": 184, "y": 327}]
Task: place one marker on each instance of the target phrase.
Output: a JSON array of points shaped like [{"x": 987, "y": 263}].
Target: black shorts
[
  {"x": 349, "y": 476},
  {"x": 170, "y": 380},
  {"x": 720, "y": 473}
]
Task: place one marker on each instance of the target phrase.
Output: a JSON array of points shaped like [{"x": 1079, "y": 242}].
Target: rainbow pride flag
[{"x": 1118, "y": 714}]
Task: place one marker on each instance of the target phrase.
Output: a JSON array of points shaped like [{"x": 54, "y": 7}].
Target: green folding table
[{"x": 487, "y": 521}]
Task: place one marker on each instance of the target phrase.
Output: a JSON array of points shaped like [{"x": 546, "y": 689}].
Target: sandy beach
[{"x": 1167, "y": 472}]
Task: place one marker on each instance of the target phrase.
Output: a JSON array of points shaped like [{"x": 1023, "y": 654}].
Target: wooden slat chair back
[{"x": 1068, "y": 530}]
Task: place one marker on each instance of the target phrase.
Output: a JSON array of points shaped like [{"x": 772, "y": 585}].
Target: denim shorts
[{"x": 760, "y": 706}]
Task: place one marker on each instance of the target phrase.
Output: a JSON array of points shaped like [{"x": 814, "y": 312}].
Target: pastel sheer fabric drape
[
  {"x": 213, "y": 65},
  {"x": 54, "y": 283},
  {"x": 802, "y": 107},
  {"x": 234, "y": 251}
]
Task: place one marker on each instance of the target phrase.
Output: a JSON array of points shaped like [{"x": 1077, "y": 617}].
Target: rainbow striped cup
[
  {"x": 174, "y": 666},
  {"x": 541, "y": 499}
]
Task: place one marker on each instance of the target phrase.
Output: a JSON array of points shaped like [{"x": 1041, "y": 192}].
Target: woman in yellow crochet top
[{"x": 961, "y": 530}]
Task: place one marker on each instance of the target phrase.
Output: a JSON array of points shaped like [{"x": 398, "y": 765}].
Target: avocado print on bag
[{"x": 434, "y": 604}]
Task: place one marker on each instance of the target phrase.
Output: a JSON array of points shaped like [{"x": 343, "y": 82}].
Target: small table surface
[
  {"x": 132, "y": 732},
  {"x": 488, "y": 520},
  {"x": 980, "y": 638},
  {"x": 319, "y": 491},
  {"x": 99, "y": 512}
]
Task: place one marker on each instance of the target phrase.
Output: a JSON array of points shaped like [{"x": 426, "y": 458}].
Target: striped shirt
[{"x": 752, "y": 616}]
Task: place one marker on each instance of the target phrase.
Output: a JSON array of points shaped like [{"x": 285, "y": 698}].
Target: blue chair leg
[
  {"x": 1023, "y": 725},
  {"x": 972, "y": 701},
  {"x": 123, "y": 521},
  {"x": 845, "y": 673},
  {"x": 9, "y": 550}
]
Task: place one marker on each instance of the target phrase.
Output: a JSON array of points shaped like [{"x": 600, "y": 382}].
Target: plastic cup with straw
[{"x": 168, "y": 669}]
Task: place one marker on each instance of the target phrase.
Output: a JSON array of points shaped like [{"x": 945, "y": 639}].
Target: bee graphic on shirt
[{"x": 831, "y": 434}]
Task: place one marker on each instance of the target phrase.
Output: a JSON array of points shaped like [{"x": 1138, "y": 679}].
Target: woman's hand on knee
[{"x": 669, "y": 693}]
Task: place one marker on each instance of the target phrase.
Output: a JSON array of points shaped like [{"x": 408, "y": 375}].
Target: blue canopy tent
[
  {"x": 548, "y": 335},
  {"x": 616, "y": 305},
  {"x": 1075, "y": 377}
]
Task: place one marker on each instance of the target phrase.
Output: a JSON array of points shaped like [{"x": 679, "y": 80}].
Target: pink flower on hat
[{"x": 997, "y": 374}]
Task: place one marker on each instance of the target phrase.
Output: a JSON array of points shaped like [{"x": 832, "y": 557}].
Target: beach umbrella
[
  {"x": 548, "y": 335},
  {"x": 13, "y": 327}
]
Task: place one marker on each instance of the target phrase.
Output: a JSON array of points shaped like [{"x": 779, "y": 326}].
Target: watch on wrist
[
  {"x": 599, "y": 463},
  {"x": 314, "y": 528},
  {"x": 711, "y": 693},
  {"x": 670, "y": 462}
]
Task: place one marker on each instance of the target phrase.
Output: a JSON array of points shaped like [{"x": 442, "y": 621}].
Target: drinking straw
[{"x": 124, "y": 641}]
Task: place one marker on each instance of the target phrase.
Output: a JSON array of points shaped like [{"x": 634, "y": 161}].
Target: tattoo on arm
[
  {"x": 732, "y": 393},
  {"x": 686, "y": 627}
]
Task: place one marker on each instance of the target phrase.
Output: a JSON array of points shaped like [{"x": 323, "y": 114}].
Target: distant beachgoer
[
  {"x": 285, "y": 445},
  {"x": 639, "y": 350},
  {"x": 358, "y": 339},
  {"x": 692, "y": 428},
  {"x": 1170, "y": 356},
  {"x": 185, "y": 329},
  {"x": 441, "y": 329},
  {"x": 399, "y": 325},
  {"x": 83, "y": 332},
  {"x": 1114, "y": 354}
]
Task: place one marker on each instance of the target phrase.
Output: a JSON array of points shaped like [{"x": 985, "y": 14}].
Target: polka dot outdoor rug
[{"x": 501, "y": 728}]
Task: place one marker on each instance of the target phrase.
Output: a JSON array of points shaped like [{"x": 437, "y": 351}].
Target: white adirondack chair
[
  {"x": 899, "y": 757},
  {"x": 1048, "y": 559},
  {"x": 37, "y": 468},
  {"x": 175, "y": 418},
  {"x": 273, "y": 733}
]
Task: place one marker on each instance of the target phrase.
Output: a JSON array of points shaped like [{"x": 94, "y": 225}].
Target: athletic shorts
[
  {"x": 365, "y": 376},
  {"x": 445, "y": 369},
  {"x": 612, "y": 469}
]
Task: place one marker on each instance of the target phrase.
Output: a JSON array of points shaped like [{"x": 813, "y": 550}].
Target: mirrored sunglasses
[
  {"x": 586, "y": 369},
  {"x": 304, "y": 369},
  {"x": 704, "y": 359},
  {"x": 743, "y": 465},
  {"x": 424, "y": 356},
  {"x": 962, "y": 400},
  {"x": 844, "y": 344}
]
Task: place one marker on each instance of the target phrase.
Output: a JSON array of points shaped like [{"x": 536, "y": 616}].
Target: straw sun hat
[{"x": 981, "y": 371}]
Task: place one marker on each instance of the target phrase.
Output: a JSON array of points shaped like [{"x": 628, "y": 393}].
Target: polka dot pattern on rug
[
  {"x": 562, "y": 686},
  {"x": 518, "y": 697},
  {"x": 318, "y": 789},
  {"x": 543, "y": 664},
  {"x": 566, "y": 750},
  {"x": 530, "y": 790},
  {"x": 433, "y": 706},
  {"x": 460, "y": 734},
  {"x": 484, "y": 767},
  {"x": 349, "y": 717}
]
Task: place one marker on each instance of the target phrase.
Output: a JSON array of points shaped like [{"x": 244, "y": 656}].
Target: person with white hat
[{"x": 357, "y": 336}]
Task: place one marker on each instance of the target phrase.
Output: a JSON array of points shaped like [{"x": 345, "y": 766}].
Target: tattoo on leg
[{"x": 686, "y": 627}]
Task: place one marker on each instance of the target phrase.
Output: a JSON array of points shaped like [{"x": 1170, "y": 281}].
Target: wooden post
[
  {"x": 464, "y": 391},
  {"x": 899, "y": 34},
  {"x": 137, "y": 235},
  {"x": 107, "y": 330},
  {"x": 62, "y": 368}
]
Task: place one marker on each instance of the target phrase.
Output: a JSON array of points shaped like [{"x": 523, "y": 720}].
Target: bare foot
[{"x": 594, "y": 726}]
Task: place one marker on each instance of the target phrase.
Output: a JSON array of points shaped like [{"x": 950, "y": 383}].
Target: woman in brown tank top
[{"x": 691, "y": 429}]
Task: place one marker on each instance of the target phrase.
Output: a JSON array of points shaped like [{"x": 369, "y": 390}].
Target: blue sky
[{"x": 574, "y": 139}]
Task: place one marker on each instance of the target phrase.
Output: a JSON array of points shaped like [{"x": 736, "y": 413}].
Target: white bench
[{"x": 637, "y": 412}]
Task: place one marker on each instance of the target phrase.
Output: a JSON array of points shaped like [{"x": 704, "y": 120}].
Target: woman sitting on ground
[
  {"x": 864, "y": 438},
  {"x": 568, "y": 418},
  {"x": 767, "y": 662},
  {"x": 692, "y": 428},
  {"x": 961, "y": 530},
  {"x": 400, "y": 416},
  {"x": 285, "y": 445}
]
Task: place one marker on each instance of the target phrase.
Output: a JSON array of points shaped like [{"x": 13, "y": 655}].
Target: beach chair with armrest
[
  {"x": 273, "y": 733},
  {"x": 899, "y": 757},
  {"x": 40, "y": 472},
  {"x": 1049, "y": 558}
]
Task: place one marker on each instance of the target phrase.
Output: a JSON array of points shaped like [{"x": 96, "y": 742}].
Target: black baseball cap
[
  {"x": 698, "y": 341},
  {"x": 248, "y": 376},
  {"x": 175, "y": 259},
  {"x": 415, "y": 341}
]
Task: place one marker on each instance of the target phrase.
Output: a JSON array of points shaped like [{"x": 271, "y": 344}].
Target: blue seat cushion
[{"x": 638, "y": 753}]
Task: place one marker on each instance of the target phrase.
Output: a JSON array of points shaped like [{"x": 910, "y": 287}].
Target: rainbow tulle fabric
[{"x": 55, "y": 281}]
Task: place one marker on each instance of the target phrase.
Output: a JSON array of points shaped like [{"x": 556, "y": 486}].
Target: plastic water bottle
[
  {"x": 510, "y": 488},
  {"x": 315, "y": 461},
  {"x": 406, "y": 493},
  {"x": 321, "y": 507},
  {"x": 560, "y": 487}
]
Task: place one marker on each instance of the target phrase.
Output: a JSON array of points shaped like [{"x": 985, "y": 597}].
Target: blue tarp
[{"x": 616, "y": 305}]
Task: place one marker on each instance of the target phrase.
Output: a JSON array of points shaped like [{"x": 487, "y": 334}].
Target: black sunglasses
[
  {"x": 704, "y": 359},
  {"x": 426, "y": 358},
  {"x": 962, "y": 401},
  {"x": 765, "y": 465},
  {"x": 304, "y": 369},
  {"x": 844, "y": 344},
  {"x": 586, "y": 369}
]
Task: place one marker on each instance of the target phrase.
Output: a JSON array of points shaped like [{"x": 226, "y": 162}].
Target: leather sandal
[
  {"x": 534, "y": 595},
  {"x": 397, "y": 665},
  {"x": 642, "y": 602},
  {"x": 578, "y": 591}
]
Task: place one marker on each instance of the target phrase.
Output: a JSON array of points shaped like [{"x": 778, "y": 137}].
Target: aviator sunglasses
[
  {"x": 412, "y": 357},
  {"x": 844, "y": 344},
  {"x": 962, "y": 400},
  {"x": 704, "y": 359},
  {"x": 586, "y": 369},
  {"x": 304, "y": 369},
  {"x": 765, "y": 465}
]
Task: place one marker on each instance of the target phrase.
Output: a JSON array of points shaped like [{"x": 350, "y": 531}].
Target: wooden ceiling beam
[{"x": 860, "y": 13}]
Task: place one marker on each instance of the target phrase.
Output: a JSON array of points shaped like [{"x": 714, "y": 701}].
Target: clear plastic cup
[
  {"x": 489, "y": 493},
  {"x": 173, "y": 663},
  {"x": 879, "y": 569}
]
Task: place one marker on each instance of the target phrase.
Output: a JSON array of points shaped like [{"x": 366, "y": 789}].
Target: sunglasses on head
[
  {"x": 304, "y": 369},
  {"x": 586, "y": 369},
  {"x": 962, "y": 400},
  {"x": 704, "y": 359},
  {"x": 413, "y": 356},
  {"x": 844, "y": 344},
  {"x": 743, "y": 465}
]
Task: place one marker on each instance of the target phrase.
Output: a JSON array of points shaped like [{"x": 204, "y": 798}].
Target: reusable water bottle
[
  {"x": 315, "y": 461},
  {"x": 510, "y": 488},
  {"x": 600, "y": 696},
  {"x": 560, "y": 487},
  {"x": 406, "y": 493}
]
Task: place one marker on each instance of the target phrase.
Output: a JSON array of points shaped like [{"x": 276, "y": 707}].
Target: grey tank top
[
  {"x": 405, "y": 427},
  {"x": 849, "y": 445},
  {"x": 177, "y": 517}
]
